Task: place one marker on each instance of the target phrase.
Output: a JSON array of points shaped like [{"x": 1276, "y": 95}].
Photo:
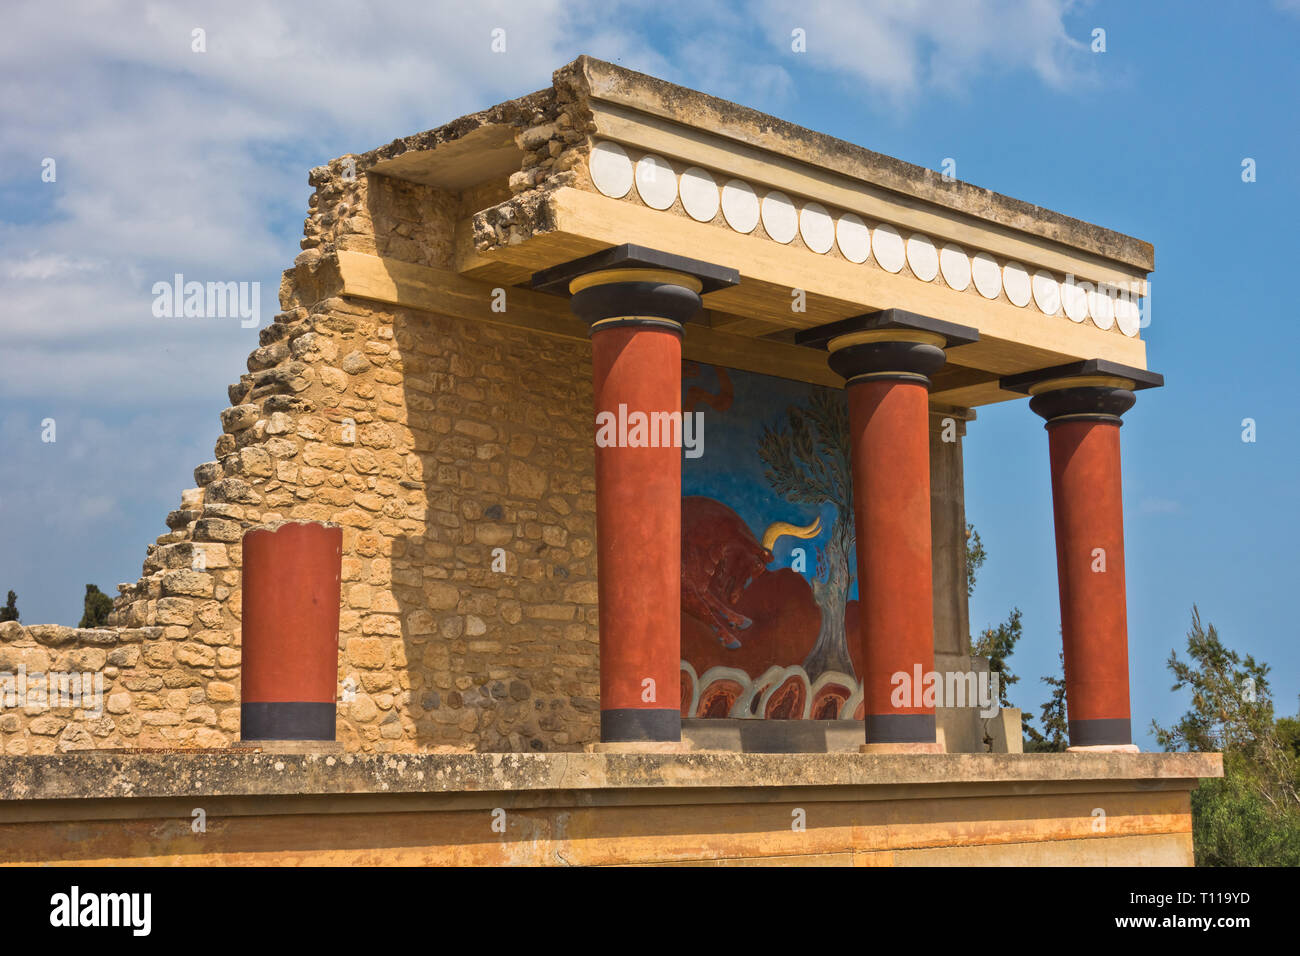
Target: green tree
[
  {"x": 10, "y": 611},
  {"x": 97, "y": 606},
  {"x": 1232, "y": 825},
  {"x": 997, "y": 644},
  {"x": 1288, "y": 732},
  {"x": 975, "y": 557},
  {"x": 1055, "y": 735},
  {"x": 1251, "y": 817}
]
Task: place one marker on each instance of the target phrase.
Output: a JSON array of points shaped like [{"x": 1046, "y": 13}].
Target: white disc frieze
[
  {"x": 611, "y": 169},
  {"x": 780, "y": 218},
  {"x": 656, "y": 182},
  {"x": 854, "y": 238},
  {"x": 817, "y": 227},
  {"x": 887, "y": 244},
  {"x": 740, "y": 205},
  {"x": 1102, "y": 308},
  {"x": 699, "y": 194},
  {"x": 1015, "y": 279},
  {"x": 922, "y": 257},
  {"x": 955, "y": 265},
  {"x": 1128, "y": 314},
  {"x": 988, "y": 277},
  {"x": 1047, "y": 293},
  {"x": 1075, "y": 301}
]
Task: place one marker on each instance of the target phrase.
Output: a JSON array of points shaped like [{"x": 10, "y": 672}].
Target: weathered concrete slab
[{"x": 105, "y": 775}]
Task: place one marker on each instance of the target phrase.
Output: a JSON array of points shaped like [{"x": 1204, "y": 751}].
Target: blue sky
[{"x": 174, "y": 161}]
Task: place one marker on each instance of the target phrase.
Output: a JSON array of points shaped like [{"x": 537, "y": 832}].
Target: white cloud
[
  {"x": 900, "y": 48},
  {"x": 48, "y": 266}
]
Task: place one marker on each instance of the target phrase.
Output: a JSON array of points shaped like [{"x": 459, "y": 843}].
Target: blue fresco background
[{"x": 731, "y": 471}]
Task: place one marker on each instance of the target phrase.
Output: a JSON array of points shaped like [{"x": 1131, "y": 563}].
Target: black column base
[
  {"x": 900, "y": 728},
  {"x": 287, "y": 720},
  {"x": 634, "y": 724},
  {"x": 1105, "y": 732}
]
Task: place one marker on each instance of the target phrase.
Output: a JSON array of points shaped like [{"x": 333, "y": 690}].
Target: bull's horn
[{"x": 780, "y": 528}]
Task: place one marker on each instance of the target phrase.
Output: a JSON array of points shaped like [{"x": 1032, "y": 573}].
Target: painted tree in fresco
[{"x": 806, "y": 461}]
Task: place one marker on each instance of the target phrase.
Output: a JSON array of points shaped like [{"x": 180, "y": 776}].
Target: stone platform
[{"x": 577, "y": 808}]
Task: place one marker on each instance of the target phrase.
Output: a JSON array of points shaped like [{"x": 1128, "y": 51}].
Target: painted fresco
[{"x": 769, "y": 585}]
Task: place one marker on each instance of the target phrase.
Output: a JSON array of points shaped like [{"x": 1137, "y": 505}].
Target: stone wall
[
  {"x": 466, "y": 497},
  {"x": 155, "y": 692}
]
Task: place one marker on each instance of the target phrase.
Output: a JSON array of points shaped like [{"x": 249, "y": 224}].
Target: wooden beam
[
  {"x": 743, "y": 325},
  {"x": 445, "y": 292},
  {"x": 967, "y": 387}
]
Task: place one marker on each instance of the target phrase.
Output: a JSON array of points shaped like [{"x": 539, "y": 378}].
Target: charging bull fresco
[{"x": 769, "y": 609}]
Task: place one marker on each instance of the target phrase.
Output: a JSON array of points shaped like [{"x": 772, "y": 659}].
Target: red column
[
  {"x": 889, "y": 435},
  {"x": 290, "y": 632},
  {"x": 1088, "y": 507},
  {"x": 637, "y": 369},
  {"x": 635, "y": 301},
  {"x": 886, "y": 359},
  {"x": 1083, "y": 403}
]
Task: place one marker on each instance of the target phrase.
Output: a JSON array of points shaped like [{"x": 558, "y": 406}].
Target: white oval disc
[
  {"x": 988, "y": 277},
  {"x": 817, "y": 227},
  {"x": 1015, "y": 279},
  {"x": 1047, "y": 293},
  {"x": 922, "y": 257},
  {"x": 780, "y": 218},
  {"x": 656, "y": 182},
  {"x": 699, "y": 194},
  {"x": 740, "y": 205},
  {"x": 955, "y": 265},
  {"x": 1075, "y": 301},
  {"x": 1102, "y": 309},
  {"x": 1128, "y": 315},
  {"x": 611, "y": 169},
  {"x": 854, "y": 238},
  {"x": 887, "y": 244}
]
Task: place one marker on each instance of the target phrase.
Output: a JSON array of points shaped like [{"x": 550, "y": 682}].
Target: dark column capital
[
  {"x": 1091, "y": 390},
  {"x": 891, "y": 345},
  {"x": 631, "y": 285}
]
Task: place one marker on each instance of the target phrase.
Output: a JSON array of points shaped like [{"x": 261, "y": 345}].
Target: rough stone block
[
  {"x": 239, "y": 417},
  {"x": 187, "y": 584},
  {"x": 52, "y": 635}
]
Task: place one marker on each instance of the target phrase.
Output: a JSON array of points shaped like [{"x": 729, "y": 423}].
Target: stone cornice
[{"x": 648, "y": 94}]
